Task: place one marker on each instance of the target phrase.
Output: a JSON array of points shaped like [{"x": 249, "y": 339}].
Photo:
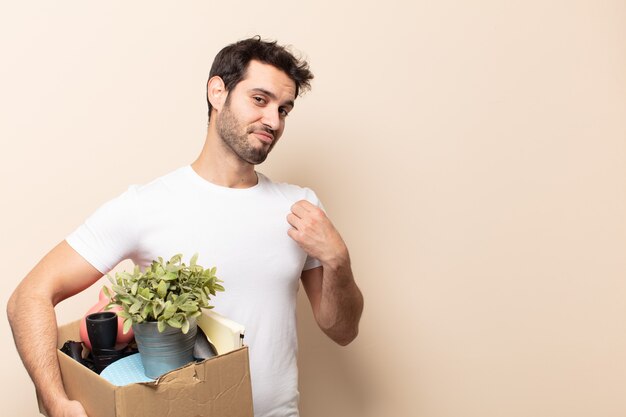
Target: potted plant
[{"x": 161, "y": 303}]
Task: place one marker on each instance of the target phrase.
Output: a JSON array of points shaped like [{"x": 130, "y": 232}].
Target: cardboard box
[{"x": 218, "y": 387}]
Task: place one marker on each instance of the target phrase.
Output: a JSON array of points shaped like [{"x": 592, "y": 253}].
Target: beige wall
[{"x": 473, "y": 154}]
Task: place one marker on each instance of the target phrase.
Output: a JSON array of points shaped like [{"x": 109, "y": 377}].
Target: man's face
[{"x": 253, "y": 116}]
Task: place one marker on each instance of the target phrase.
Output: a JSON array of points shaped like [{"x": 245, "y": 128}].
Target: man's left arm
[{"x": 335, "y": 298}]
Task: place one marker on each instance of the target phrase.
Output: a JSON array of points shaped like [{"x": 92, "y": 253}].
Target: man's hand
[
  {"x": 336, "y": 300},
  {"x": 315, "y": 234}
]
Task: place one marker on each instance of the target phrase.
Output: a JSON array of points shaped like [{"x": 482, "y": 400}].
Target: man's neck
[{"x": 220, "y": 166}]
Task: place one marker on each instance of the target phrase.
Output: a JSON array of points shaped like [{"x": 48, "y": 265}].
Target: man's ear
[{"x": 216, "y": 92}]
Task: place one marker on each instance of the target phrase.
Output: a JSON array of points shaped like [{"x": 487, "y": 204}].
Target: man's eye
[
  {"x": 259, "y": 100},
  {"x": 283, "y": 112}
]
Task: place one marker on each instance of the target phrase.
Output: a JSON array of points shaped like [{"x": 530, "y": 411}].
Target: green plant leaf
[
  {"x": 125, "y": 300},
  {"x": 169, "y": 276},
  {"x": 205, "y": 299},
  {"x": 157, "y": 308},
  {"x": 188, "y": 307},
  {"x": 185, "y": 325},
  {"x": 145, "y": 292},
  {"x": 135, "y": 307},
  {"x": 147, "y": 309},
  {"x": 170, "y": 310},
  {"x": 119, "y": 289},
  {"x": 127, "y": 325},
  {"x": 125, "y": 276},
  {"x": 182, "y": 299},
  {"x": 162, "y": 289},
  {"x": 123, "y": 314},
  {"x": 110, "y": 305},
  {"x": 174, "y": 322},
  {"x": 161, "y": 326},
  {"x": 106, "y": 292}
]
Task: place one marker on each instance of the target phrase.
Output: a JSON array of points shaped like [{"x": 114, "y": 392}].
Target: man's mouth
[{"x": 264, "y": 137}]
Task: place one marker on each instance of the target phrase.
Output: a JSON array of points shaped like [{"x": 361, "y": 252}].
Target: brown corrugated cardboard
[{"x": 218, "y": 387}]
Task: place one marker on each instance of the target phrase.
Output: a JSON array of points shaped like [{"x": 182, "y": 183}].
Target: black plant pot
[{"x": 102, "y": 330}]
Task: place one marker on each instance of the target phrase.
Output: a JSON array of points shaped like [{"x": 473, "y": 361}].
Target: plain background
[{"x": 473, "y": 155}]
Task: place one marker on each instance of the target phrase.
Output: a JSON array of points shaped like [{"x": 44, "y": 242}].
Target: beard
[{"x": 235, "y": 136}]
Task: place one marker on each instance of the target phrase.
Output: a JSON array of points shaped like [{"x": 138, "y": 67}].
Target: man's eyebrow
[{"x": 271, "y": 95}]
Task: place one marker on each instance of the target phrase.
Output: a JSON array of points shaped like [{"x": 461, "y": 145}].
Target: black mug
[{"x": 102, "y": 330}]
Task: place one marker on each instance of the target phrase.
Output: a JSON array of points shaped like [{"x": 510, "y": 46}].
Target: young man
[{"x": 264, "y": 237}]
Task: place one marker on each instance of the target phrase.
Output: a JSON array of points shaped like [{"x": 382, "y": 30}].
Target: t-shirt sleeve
[
  {"x": 109, "y": 235},
  {"x": 310, "y": 262}
]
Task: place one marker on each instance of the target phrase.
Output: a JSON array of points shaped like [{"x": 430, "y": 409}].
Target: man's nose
[{"x": 271, "y": 118}]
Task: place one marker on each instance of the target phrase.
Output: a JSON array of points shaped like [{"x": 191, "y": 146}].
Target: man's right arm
[{"x": 59, "y": 275}]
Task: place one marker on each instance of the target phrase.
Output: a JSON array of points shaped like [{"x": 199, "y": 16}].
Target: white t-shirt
[{"x": 243, "y": 232}]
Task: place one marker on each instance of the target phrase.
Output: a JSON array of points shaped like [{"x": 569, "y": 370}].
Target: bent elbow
[{"x": 345, "y": 338}]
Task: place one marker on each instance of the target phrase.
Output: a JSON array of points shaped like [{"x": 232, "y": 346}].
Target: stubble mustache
[{"x": 258, "y": 128}]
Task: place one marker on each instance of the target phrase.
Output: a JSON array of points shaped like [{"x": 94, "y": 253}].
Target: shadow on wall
[{"x": 332, "y": 381}]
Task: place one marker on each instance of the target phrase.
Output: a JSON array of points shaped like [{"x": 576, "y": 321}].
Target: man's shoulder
[
  {"x": 166, "y": 182},
  {"x": 291, "y": 192}
]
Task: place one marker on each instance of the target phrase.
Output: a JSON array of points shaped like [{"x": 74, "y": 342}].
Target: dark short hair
[{"x": 231, "y": 63}]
